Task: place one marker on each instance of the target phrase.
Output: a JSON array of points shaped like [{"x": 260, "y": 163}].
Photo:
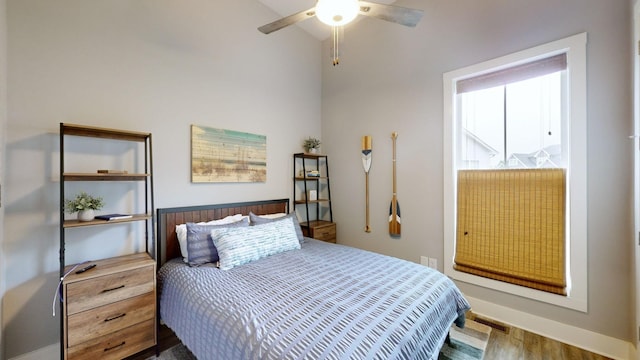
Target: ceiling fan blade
[
  {"x": 396, "y": 14},
  {"x": 286, "y": 21}
]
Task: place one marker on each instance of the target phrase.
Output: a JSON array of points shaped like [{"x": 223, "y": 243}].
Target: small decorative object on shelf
[
  {"x": 86, "y": 215},
  {"x": 110, "y": 171},
  {"x": 84, "y": 204},
  {"x": 311, "y": 145},
  {"x": 111, "y": 217}
]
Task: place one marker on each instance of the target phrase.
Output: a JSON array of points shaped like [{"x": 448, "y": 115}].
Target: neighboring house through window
[{"x": 515, "y": 173}]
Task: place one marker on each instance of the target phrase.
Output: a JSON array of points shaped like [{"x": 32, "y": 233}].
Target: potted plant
[
  {"x": 311, "y": 145},
  {"x": 84, "y": 204}
]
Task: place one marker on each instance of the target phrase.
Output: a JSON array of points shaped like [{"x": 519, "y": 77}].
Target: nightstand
[
  {"x": 110, "y": 310},
  {"x": 320, "y": 230}
]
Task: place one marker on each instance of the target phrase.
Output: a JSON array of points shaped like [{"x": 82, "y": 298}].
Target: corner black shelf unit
[{"x": 303, "y": 181}]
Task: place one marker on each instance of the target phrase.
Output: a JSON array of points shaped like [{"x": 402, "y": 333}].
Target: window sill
[{"x": 572, "y": 301}]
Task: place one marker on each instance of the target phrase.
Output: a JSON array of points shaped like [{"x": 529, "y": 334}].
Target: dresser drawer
[
  {"x": 116, "y": 345},
  {"x": 91, "y": 293},
  {"x": 324, "y": 232},
  {"x": 106, "y": 319}
]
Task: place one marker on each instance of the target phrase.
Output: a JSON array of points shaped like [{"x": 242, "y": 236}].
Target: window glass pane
[
  {"x": 533, "y": 130},
  {"x": 482, "y": 122},
  {"x": 526, "y": 133}
]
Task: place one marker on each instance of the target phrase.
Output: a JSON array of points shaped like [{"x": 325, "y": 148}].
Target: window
[
  {"x": 522, "y": 111},
  {"x": 513, "y": 117}
]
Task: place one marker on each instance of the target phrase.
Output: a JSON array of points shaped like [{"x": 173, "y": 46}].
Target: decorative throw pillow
[
  {"x": 273, "y": 216},
  {"x": 199, "y": 244},
  {"x": 264, "y": 219},
  {"x": 242, "y": 245},
  {"x": 181, "y": 232}
]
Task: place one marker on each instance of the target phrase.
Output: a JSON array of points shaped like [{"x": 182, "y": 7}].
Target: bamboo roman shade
[
  {"x": 511, "y": 226},
  {"x": 513, "y": 74}
]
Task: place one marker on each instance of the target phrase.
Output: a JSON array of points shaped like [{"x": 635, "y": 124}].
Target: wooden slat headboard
[{"x": 168, "y": 218}]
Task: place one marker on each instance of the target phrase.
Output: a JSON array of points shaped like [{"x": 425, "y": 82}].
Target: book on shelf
[
  {"x": 110, "y": 171},
  {"x": 110, "y": 217}
]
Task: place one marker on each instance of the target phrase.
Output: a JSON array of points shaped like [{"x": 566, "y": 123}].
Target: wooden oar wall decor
[
  {"x": 366, "y": 163},
  {"x": 394, "y": 208}
]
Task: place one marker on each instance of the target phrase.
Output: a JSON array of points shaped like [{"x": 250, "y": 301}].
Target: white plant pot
[
  {"x": 86, "y": 215},
  {"x": 313, "y": 150}
]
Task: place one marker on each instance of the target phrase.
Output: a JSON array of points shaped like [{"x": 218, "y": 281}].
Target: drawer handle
[
  {"x": 113, "y": 347},
  {"x": 115, "y": 288},
  {"x": 115, "y": 317}
]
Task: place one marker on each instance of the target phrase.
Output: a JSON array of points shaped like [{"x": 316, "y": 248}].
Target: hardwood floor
[{"x": 507, "y": 342}]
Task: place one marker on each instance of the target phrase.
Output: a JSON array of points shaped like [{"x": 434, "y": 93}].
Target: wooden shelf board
[
  {"x": 302, "y": 202},
  {"x": 77, "y": 223},
  {"x": 309, "y": 156},
  {"x": 104, "y": 133},
  {"x": 301, "y": 178},
  {"x": 103, "y": 177}
]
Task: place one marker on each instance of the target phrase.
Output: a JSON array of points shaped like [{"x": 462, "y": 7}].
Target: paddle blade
[
  {"x": 366, "y": 160},
  {"x": 394, "y": 218},
  {"x": 392, "y": 13},
  {"x": 286, "y": 21}
]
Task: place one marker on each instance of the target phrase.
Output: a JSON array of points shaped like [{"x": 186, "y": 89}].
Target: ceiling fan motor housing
[{"x": 337, "y": 12}]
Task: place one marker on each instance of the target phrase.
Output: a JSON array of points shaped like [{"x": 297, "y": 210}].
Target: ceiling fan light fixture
[{"x": 337, "y": 12}]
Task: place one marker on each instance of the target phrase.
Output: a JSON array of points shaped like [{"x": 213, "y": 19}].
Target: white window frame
[{"x": 575, "y": 48}]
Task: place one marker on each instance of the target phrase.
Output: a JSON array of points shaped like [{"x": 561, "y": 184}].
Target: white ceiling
[{"x": 312, "y": 26}]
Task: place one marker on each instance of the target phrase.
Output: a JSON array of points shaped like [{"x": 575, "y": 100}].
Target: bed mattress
[{"x": 324, "y": 301}]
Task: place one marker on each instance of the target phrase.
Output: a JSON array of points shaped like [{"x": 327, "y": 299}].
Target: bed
[{"x": 316, "y": 301}]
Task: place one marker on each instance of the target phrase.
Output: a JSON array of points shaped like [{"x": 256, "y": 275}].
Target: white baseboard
[
  {"x": 50, "y": 352},
  {"x": 584, "y": 339}
]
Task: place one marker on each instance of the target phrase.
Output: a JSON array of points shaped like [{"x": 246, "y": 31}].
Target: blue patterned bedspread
[{"x": 324, "y": 301}]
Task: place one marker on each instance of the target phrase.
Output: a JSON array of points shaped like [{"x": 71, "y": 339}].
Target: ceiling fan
[{"x": 337, "y": 13}]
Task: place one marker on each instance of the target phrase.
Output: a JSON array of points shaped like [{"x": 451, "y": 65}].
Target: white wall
[
  {"x": 147, "y": 65},
  {"x": 390, "y": 79},
  {"x": 3, "y": 124}
]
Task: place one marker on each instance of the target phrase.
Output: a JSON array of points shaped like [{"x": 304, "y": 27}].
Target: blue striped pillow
[
  {"x": 261, "y": 219},
  {"x": 200, "y": 248},
  {"x": 242, "y": 245}
]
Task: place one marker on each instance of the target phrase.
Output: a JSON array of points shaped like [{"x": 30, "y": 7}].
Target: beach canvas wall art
[{"x": 220, "y": 155}]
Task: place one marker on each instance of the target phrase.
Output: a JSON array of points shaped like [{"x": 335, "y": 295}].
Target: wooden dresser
[
  {"x": 110, "y": 310},
  {"x": 320, "y": 230}
]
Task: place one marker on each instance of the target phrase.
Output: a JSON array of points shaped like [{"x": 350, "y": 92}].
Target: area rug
[
  {"x": 178, "y": 352},
  {"x": 469, "y": 343},
  {"x": 466, "y": 344}
]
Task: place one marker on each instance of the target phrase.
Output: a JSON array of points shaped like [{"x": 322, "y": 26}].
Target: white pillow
[
  {"x": 273, "y": 216},
  {"x": 238, "y": 246},
  {"x": 181, "y": 232}
]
